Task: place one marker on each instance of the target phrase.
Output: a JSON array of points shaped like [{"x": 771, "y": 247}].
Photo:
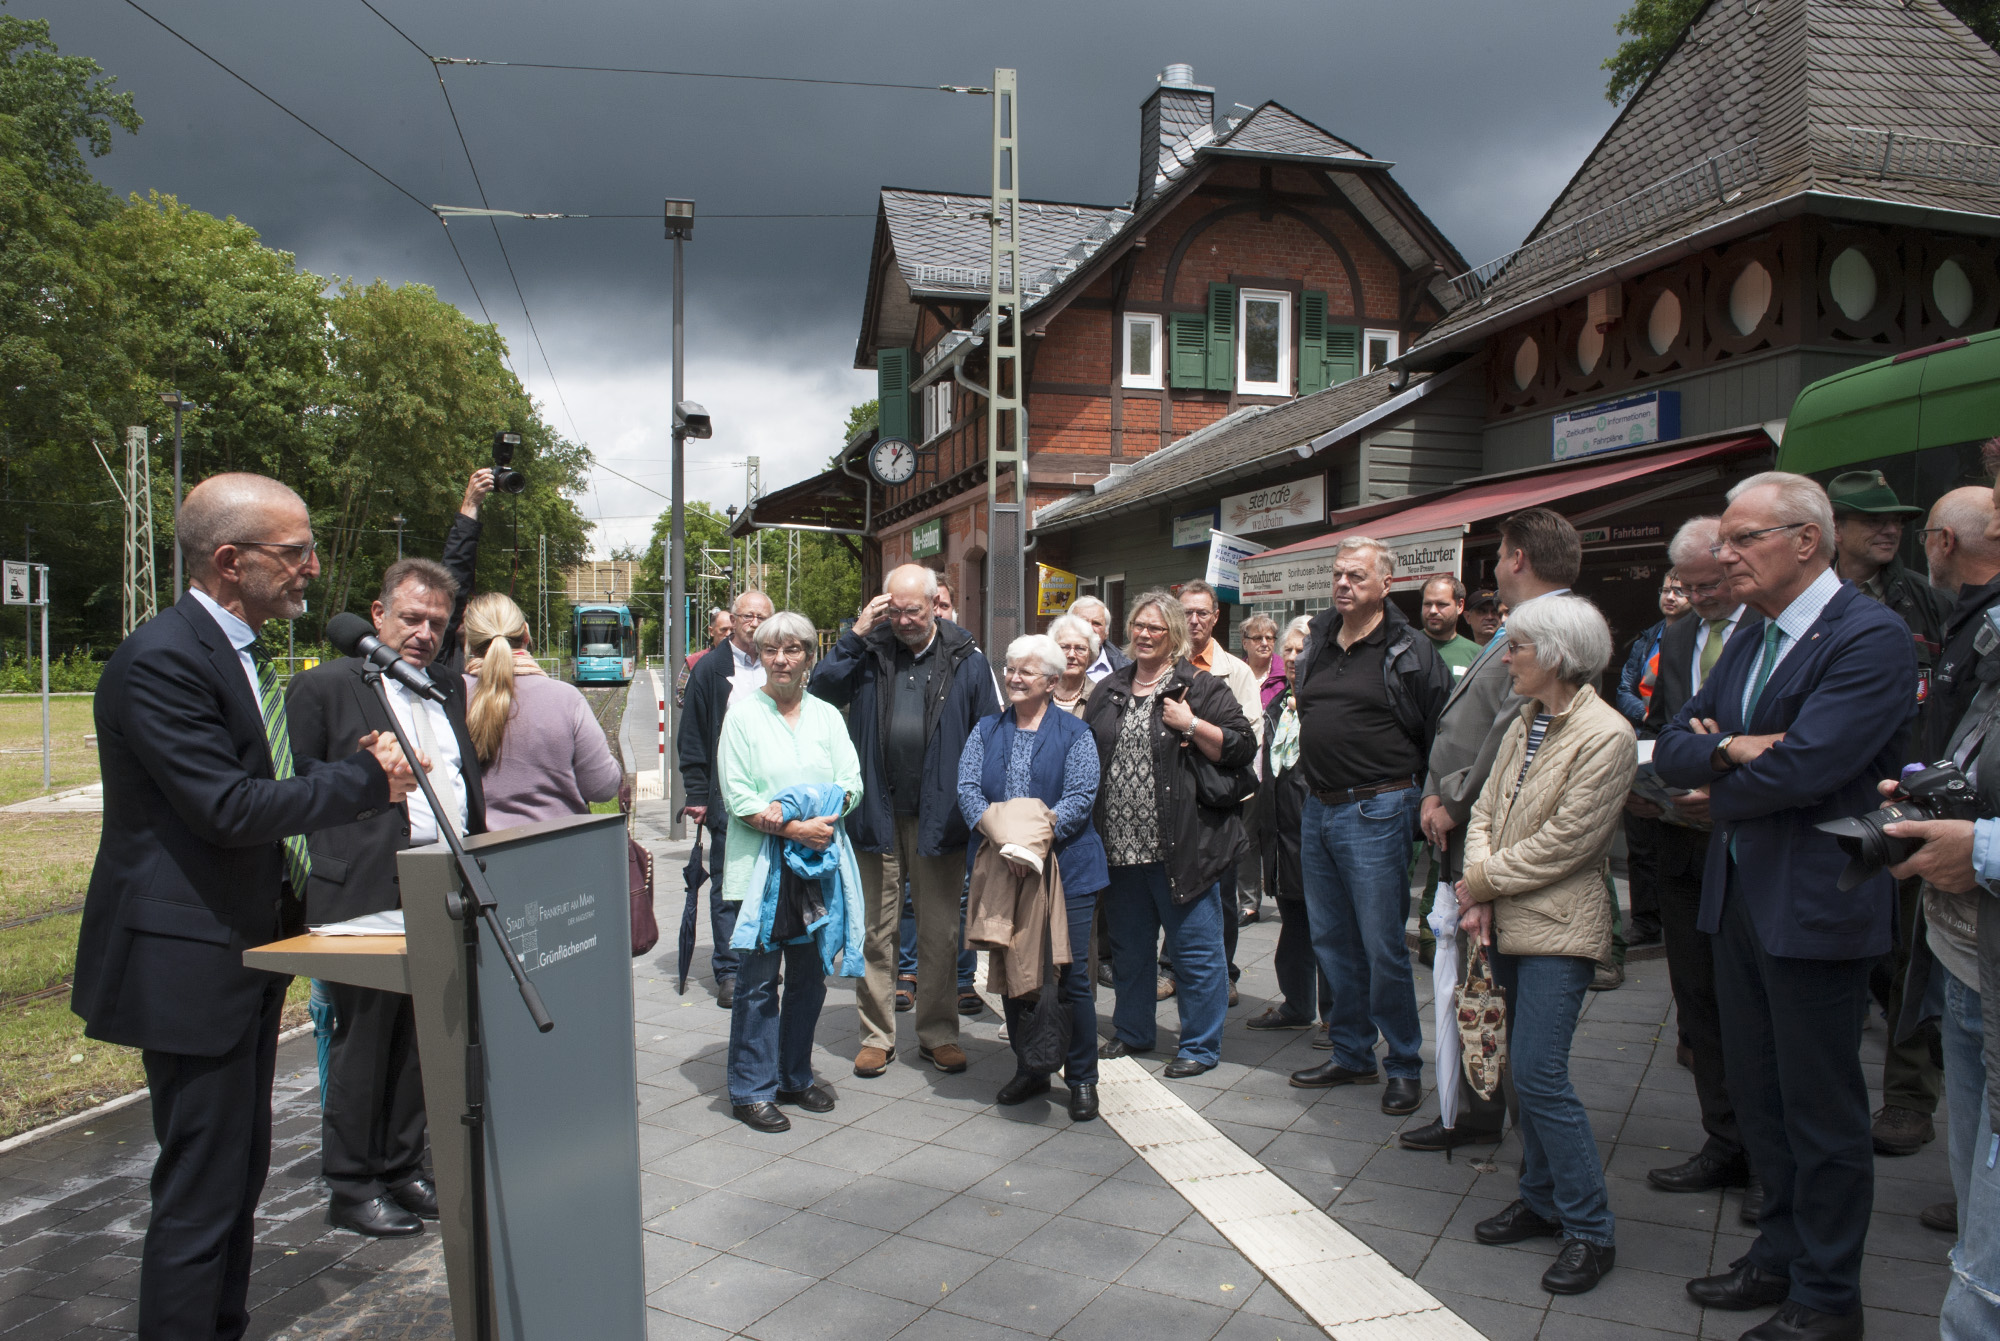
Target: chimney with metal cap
[{"x": 1176, "y": 110}]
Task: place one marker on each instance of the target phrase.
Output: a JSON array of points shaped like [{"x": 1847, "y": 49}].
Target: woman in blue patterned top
[{"x": 1030, "y": 751}]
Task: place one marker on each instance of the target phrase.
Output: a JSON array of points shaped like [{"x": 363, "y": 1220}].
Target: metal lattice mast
[
  {"x": 542, "y": 596},
  {"x": 753, "y": 489},
  {"x": 141, "y": 599},
  {"x": 1006, "y": 419}
]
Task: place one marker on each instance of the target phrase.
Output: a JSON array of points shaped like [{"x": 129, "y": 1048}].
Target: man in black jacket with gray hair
[{"x": 1369, "y": 689}]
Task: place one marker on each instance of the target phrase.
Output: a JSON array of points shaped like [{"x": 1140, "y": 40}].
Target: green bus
[{"x": 1921, "y": 418}]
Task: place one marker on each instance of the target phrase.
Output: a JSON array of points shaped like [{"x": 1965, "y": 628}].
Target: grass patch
[
  {"x": 45, "y": 863},
  {"x": 49, "y": 1070},
  {"x": 39, "y": 955},
  {"x": 72, "y": 762}
]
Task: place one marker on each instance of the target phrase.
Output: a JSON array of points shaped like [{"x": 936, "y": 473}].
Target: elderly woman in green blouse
[{"x": 776, "y": 741}]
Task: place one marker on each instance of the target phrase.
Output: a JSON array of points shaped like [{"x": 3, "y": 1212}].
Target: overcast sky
[{"x": 1485, "y": 108}]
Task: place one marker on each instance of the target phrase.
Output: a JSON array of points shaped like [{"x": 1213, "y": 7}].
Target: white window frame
[
  {"x": 1395, "y": 345},
  {"x": 1156, "y": 381},
  {"x": 937, "y": 405},
  {"x": 1283, "y": 386}
]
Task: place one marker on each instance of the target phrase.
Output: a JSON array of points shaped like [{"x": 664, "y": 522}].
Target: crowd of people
[{"x": 1131, "y": 806}]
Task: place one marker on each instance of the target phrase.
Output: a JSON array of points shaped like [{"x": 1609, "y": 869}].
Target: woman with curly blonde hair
[{"x": 542, "y": 753}]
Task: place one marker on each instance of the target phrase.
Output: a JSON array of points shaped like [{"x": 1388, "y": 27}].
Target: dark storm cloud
[{"x": 1486, "y": 109}]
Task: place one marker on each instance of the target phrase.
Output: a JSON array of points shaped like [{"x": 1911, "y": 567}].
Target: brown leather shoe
[
  {"x": 872, "y": 1062},
  {"x": 1901, "y": 1131},
  {"x": 949, "y": 1059}
]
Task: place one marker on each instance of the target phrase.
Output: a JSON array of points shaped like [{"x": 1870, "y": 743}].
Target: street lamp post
[
  {"x": 398, "y": 519},
  {"x": 679, "y": 219},
  {"x": 175, "y": 401}
]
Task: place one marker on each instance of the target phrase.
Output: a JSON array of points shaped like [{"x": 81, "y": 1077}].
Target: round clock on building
[{"x": 893, "y": 461}]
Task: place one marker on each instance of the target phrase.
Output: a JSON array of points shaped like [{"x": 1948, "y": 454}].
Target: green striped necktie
[{"x": 298, "y": 862}]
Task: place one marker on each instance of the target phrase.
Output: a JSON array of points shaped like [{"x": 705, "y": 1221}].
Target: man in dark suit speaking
[
  {"x": 1792, "y": 728},
  {"x": 201, "y": 860},
  {"x": 373, "y": 1132}
]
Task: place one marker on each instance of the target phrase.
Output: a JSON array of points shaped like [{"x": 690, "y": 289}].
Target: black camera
[
  {"x": 505, "y": 478},
  {"x": 1926, "y": 792}
]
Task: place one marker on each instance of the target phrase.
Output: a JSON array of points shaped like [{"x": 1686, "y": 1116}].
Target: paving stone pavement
[{"x": 918, "y": 1210}]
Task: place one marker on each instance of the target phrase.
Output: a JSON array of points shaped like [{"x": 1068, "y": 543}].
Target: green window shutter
[
  {"x": 892, "y": 391},
  {"x": 1312, "y": 342},
  {"x": 1343, "y": 354},
  {"x": 1188, "y": 357},
  {"x": 1221, "y": 337}
]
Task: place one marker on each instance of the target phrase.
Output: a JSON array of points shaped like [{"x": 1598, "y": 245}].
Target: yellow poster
[{"x": 1058, "y": 589}]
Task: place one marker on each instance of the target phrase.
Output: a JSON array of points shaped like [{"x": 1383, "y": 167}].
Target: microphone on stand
[{"x": 353, "y": 636}]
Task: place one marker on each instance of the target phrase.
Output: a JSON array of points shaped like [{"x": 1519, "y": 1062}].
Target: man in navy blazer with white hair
[{"x": 1793, "y": 728}]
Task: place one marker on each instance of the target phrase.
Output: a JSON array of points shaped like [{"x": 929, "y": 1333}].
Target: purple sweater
[{"x": 554, "y": 759}]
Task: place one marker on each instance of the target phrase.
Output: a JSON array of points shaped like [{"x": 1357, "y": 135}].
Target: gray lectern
[{"x": 561, "y": 1121}]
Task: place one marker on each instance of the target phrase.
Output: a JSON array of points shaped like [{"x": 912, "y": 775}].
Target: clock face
[{"x": 893, "y": 461}]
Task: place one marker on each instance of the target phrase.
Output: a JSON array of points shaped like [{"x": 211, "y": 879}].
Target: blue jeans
[
  {"x": 770, "y": 1045},
  {"x": 906, "y": 943},
  {"x": 1561, "y": 1176},
  {"x": 1972, "y": 1304},
  {"x": 722, "y": 961},
  {"x": 1137, "y": 905},
  {"x": 1073, "y": 981},
  {"x": 1355, "y": 861}
]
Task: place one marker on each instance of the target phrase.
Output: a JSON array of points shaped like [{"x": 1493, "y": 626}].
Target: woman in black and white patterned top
[{"x": 1166, "y": 850}]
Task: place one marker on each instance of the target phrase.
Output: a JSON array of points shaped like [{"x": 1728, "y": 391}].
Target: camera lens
[
  {"x": 508, "y": 480},
  {"x": 1868, "y": 848}
]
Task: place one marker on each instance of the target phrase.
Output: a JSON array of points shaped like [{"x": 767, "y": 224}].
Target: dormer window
[{"x": 1264, "y": 352}]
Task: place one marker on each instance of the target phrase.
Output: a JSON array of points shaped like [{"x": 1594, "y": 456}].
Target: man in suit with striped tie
[{"x": 203, "y": 857}]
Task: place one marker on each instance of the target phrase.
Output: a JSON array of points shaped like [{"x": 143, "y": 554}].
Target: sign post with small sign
[{"x": 16, "y": 578}]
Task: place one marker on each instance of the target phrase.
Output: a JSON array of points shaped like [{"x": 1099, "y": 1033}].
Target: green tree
[
  {"x": 1653, "y": 27},
  {"x": 57, "y": 101}
]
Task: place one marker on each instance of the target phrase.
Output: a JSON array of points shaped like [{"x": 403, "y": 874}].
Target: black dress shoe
[
  {"x": 1180, "y": 1068},
  {"x": 812, "y": 1098},
  {"x": 1403, "y": 1094},
  {"x": 1275, "y": 1018},
  {"x": 381, "y": 1218},
  {"x": 761, "y": 1117},
  {"x": 1578, "y": 1267},
  {"x": 1021, "y": 1089},
  {"x": 419, "y": 1197},
  {"x": 1082, "y": 1103},
  {"x": 1434, "y": 1135},
  {"x": 1118, "y": 1047},
  {"x": 1741, "y": 1287},
  {"x": 1331, "y": 1074},
  {"x": 1703, "y": 1173},
  {"x": 1943, "y": 1217},
  {"x": 1753, "y": 1202},
  {"x": 1795, "y": 1322},
  {"x": 725, "y": 993},
  {"x": 1516, "y": 1224}
]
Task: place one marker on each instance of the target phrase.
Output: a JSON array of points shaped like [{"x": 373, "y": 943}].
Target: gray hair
[
  {"x": 788, "y": 626},
  {"x": 1693, "y": 541},
  {"x": 1038, "y": 647},
  {"x": 1301, "y": 626},
  {"x": 930, "y": 578},
  {"x": 1967, "y": 511},
  {"x": 1569, "y": 635},
  {"x": 1800, "y": 501},
  {"x": 1385, "y": 562},
  {"x": 1075, "y": 624},
  {"x": 224, "y": 509},
  {"x": 736, "y": 606},
  {"x": 1258, "y": 621},
  {"x": 1076, "y": 608}
]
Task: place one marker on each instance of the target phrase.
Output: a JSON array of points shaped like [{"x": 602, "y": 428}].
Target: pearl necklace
[{"x": 1150, "y": 685}]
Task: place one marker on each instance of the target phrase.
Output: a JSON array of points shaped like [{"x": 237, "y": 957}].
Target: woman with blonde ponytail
[{"x": 542, "y": 753}]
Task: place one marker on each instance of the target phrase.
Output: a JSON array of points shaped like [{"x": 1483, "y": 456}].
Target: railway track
[{"x": 607, "y": 705}]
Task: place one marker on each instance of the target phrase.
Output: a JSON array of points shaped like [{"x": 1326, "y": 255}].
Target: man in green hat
[{"x": 1868, "y": 533}]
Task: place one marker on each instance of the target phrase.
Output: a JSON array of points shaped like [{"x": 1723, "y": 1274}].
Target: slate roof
[
  {"x": 943, "y": 242},
  {"x": 1768, "y": 98},
  {"x": 1276, "y": 129},
  {"x": 1242, "y": 442}
]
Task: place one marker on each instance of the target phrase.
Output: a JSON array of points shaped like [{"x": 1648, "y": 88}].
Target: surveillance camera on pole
[{"x": 691, "y": 421}]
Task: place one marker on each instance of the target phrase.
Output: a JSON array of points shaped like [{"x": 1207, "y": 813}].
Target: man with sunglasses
[
  {"x": 202, "y": 859},
  {"x": 1868, "y": 524}
]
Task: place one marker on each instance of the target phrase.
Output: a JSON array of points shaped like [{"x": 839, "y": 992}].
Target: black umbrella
[{"x": 695, "y": 873}]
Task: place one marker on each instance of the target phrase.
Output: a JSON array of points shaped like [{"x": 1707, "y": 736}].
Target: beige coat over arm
[{"x": 1538, "y": 852}]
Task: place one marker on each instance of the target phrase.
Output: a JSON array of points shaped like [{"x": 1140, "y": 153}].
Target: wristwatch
[{"x": 1718, "y": 758}]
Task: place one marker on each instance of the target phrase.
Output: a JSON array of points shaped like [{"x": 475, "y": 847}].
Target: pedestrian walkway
[
  {"x": 76, "y": 801},
  {"x": 917, "y": 1210}
]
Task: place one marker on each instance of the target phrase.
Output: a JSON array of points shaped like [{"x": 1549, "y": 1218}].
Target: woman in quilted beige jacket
[{"x": 1535, "y": 873}]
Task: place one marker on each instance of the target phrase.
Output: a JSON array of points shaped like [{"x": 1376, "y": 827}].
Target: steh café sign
[{"x": 1299, "y": 503}]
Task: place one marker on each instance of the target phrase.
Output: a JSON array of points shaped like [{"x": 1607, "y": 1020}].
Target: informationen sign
[
  {"x": 1299, "y": 503},
  {"x": 1632, "y": 422},
  {"x": 1191, "y": 528},
  {"x": 1226, "y": 554},
  {"x": 1056, "y": 590},
  {"x": 927, "y": 538}
]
